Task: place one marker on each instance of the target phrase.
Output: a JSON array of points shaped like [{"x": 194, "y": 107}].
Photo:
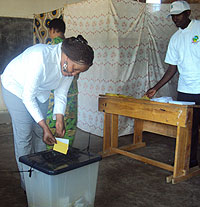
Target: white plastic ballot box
[{"x": 58, "y": 180}]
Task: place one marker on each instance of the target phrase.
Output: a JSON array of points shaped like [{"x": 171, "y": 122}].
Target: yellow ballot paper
[
  {"x": 145, "y": 97},
  {"x": 62, "y": 145}
]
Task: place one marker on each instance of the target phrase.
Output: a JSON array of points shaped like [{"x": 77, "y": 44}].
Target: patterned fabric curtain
[
  {"x": 41, "y": 21},
  {"x": 130, "y": 41}
]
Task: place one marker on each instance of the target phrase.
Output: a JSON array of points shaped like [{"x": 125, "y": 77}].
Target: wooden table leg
[
  {"x": 114, "y": 130},
  {"x": 138, "y": 129},
  {"x": 106, "y": 133},
  {"x": 182, "y": 154}
]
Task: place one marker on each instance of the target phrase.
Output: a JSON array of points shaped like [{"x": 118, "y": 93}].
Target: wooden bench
[{"x": 161, "y": 118}]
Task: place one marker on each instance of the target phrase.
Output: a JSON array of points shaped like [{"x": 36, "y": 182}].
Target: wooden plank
[
  {"x": 182, "y": 151},
  {"x": 106, "y": 132},
  {"x": 183, "y": 147},
  {"x": 114, "y": 130},
  {"x": 142, "y": 101},
  {"x": 171, "y": 114},
  {"x": 169, "y": 179},
  {"x": 158, "y": 128},
  {"x": 125, "y": 147},
  {"x": 138, "y": 129},
  {"x": 192, "y": 172},
  {"x": 132, "y": 146},
  {"x": 143, "y": 159}
]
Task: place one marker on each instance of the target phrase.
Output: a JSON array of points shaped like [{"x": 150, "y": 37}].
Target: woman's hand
[
  {"x": 48, "y": 137},
  {"x": 60, "y": 126}
]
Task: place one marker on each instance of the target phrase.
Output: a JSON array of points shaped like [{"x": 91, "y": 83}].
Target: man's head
[
  {"x": 56, "y": 28},
  {"x": 180, "y": 12}
]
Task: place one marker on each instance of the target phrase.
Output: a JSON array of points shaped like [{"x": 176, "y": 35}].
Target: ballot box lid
[{"x": 53, "y": 163}]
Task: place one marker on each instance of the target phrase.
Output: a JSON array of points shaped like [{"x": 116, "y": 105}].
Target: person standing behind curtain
[{"x": 56, "y": 33}]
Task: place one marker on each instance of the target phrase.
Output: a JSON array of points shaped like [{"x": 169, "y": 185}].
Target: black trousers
[{"x": 195, "y": 124}]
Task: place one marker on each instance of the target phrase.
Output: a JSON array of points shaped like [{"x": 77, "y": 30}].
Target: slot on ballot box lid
[{"x": 53, "y": 163}]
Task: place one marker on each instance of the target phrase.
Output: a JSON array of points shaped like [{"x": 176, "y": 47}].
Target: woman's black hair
[{"x": 78, "y": 50}]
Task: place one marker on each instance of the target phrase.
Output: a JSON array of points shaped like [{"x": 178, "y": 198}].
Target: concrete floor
[{"x": 122, "y": 182}]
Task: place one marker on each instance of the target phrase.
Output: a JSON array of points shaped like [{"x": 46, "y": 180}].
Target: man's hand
[
  {"x": 150, "y": 93},
  {"x": 172, "y": 69}
]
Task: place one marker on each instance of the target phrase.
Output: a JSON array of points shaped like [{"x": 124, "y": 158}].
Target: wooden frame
[{"x": 162, "y": 118}]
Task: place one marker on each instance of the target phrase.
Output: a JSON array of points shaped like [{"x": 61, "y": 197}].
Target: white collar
[{"x": 189, "y": 26}]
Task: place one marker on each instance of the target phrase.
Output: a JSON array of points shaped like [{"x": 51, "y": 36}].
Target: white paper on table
[
  {"x": 182, "y": 102},
  {"x": 163, "y": 99}
]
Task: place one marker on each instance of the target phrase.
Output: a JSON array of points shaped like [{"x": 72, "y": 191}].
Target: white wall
[{"x": 27, "y": 8}]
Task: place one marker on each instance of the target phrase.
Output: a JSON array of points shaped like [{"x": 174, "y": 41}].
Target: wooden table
[{"x": 161, "y": 118}]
